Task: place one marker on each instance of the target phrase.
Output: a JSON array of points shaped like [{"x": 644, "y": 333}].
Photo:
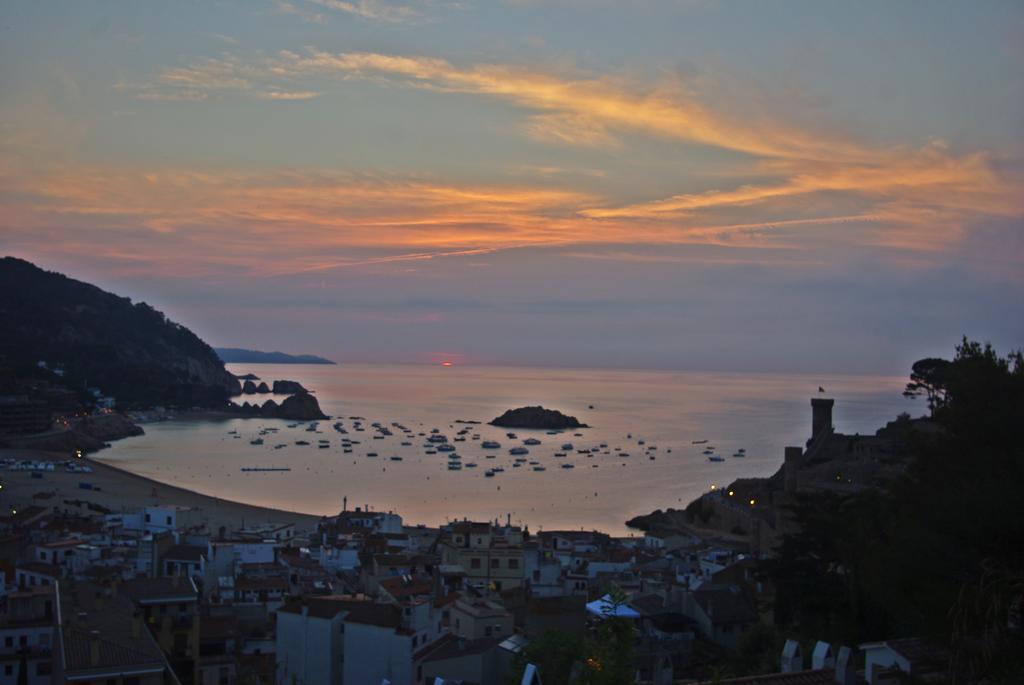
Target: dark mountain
[
  {"x": 236, "y": 355},
  {"x": 129, "y": 351}
]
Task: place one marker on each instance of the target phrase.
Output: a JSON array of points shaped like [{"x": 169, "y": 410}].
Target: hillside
[
  {"x": 237, "y": 355},
  {"x": 129, "y": 351}
]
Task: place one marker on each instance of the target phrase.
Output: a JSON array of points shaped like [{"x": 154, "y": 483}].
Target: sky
[{"x": 685, "y": 184}]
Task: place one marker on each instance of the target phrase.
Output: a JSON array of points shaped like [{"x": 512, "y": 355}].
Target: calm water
[{"x": 759, "y": 412}]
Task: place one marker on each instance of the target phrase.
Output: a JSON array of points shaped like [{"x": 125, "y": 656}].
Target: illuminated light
[
  {"x": 713, "y": 487},
  {"x": 731, "y": 493},
  {"x": 753, "y": 502},
  {"x": 447, "y": 364}
]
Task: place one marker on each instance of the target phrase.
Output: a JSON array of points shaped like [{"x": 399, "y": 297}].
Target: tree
[{"x": 929, "y": 377}]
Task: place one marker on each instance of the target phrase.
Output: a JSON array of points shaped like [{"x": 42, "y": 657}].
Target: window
[
  {"x": 536, "y": 575},
  {"x": 168, "y": 520},
  {"x": 415, "y": 641},
  {"x": 147, "y": 518},
  {"x": 474, "y": 562},
  {"x": 44, "y": 667},
  {"x": 23, "y": 640},
  {"x": 487, "y": 631},
  {"x": 495, "y": 563},
  {"x": 8, "y": 669},
  {"x": 8, "y": 641},
  {"x": 513, "y": 563}
]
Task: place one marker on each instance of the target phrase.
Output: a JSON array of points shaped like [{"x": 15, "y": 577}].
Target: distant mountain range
[
  {"x": 236, "y": 355},
  {"x": 129, "y": 351}
]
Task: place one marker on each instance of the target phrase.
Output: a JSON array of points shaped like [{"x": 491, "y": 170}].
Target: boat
[
  {"x": 301, "y": 442},
  {"x": 539, "y": 468},
  {"x": 489, "y": 456},
  {"x": 488, "y": 474},
  {"x": 348, "y": 450},
  {"x": 716, "y": 458},
  {"x": 371, "y": 454},
  {"x": 531, "y": 441},
  {"x": 739, "y": 454},
  {"x": 470, "y": 464},
  {"x": 446, "y": 448},
  {"x": 257, "y": 441},
  {"x": 519, "y": 450},
  {"x": 406, "y": 444},
  {"x": 260, "y": 469},
  {"x": 437, "y": 437},
  {"x": 323, "y": 446},
  {"x": 568, "y": 447},
  {"x": 640, "y": 442},
  {"x": 395, "y": 458},
  {"x": 568, "y": 466},
  {"x": 490, "y": 445},
  {"x": 510, "y": 436},
  {"x": 454, "y": 466},
  {"x": 559, "y": 454}
]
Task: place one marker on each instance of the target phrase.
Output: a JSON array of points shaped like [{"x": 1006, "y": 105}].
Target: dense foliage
[
  {"x": 603, "y": 657},
  {"x": 129, "y": 351},
  {"x": 939, "y": 554}
]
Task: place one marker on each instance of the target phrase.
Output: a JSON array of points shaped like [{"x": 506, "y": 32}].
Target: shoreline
[{"x": 118, "y": 489}]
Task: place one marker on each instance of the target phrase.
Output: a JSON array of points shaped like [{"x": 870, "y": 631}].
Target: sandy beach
[{"x": 120, "y": 490}]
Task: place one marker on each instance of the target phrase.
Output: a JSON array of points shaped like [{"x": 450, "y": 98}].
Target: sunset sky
[{"x": 696, "y": 184}]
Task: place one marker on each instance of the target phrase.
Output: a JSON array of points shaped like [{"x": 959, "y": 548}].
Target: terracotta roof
[
  {"x": 40, "y": 568},
  {"x": 248, "y": 583},
  {"x": 921, "y": 653},
  {"x": 159, "y": 590},
  {"x": 398, "y": 588},
  {"x": 120, "y": 641},
  {"x": 820, "y": 677},
  {"x": 451, "y": 647}
]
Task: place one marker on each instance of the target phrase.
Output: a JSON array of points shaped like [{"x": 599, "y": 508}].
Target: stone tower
[{"x": 821, "y": 417}]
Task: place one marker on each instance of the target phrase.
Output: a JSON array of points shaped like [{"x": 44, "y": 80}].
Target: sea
[{"x": 660, "y": 419}]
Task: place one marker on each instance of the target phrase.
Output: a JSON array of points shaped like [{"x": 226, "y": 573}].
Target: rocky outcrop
[
  {"x": 298, "y": 407},
  {"x": 89, "y": 435},
  {"x": 248, "y": 388},
  {"x": 248, "y": 377},
  {"x": 262, "y": 389},
  {"x": 538, "y": 418},
  {"x": 302, "y": 407},
  {"x": 288, "y": 388}
]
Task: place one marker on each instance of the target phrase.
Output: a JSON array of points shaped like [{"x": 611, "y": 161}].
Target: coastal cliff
[{"x": 127, "y": 350}]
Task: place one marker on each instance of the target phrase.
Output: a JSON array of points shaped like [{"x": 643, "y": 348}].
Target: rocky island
[
  {"x": 301, "y": 406},
  {"x": 538, "y": 418}
]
